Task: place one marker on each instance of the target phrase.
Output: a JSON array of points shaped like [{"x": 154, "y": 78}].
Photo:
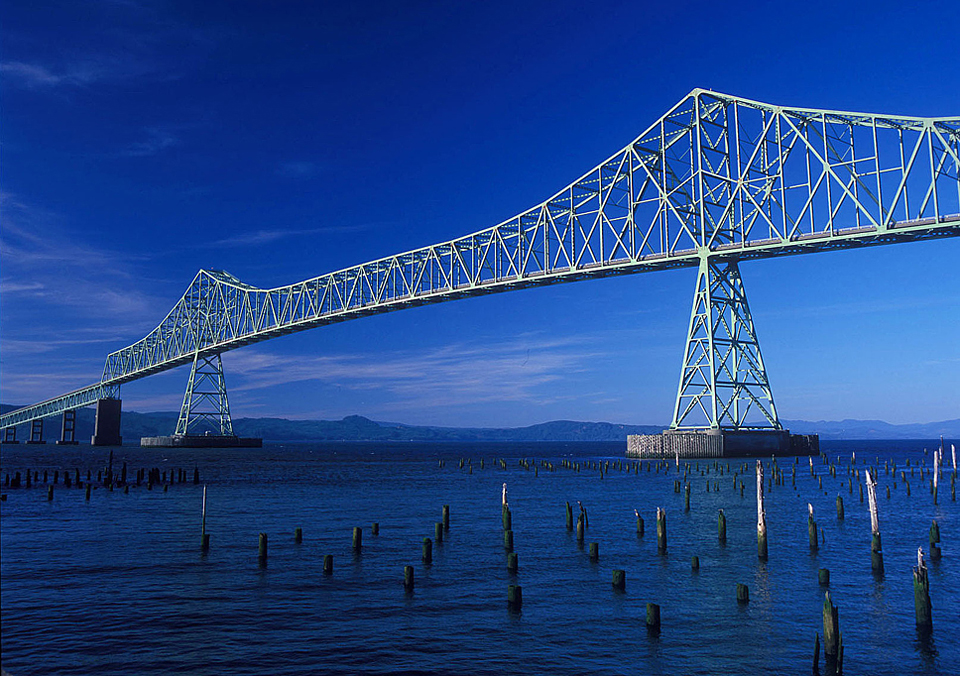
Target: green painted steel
[{"x": 718, "y": 178}]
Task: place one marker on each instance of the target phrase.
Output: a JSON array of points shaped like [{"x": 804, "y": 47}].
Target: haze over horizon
[{"x": 145, "y": 140}]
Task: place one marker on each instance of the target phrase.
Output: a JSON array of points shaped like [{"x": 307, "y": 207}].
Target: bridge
[{"x": 717, "y": 180}]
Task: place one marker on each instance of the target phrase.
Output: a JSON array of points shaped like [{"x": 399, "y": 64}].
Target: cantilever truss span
[{"x": 718, "y": 177}]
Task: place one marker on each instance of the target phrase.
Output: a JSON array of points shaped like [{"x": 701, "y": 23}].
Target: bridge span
[{"x": 717, "y": 180}]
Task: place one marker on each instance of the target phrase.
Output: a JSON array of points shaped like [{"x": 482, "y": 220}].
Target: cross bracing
[{"x": 717, "y": 176}]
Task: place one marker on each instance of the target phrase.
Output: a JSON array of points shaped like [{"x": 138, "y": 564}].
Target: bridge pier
[
  {"x": 10, "y": 435},
  {"x": 36, "y": 432},
  {"x": 68, "y": 429},
  {"x": 106, "y": 430}
]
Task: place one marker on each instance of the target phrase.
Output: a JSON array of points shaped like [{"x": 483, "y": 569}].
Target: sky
[{"x": 141, "y": 141}]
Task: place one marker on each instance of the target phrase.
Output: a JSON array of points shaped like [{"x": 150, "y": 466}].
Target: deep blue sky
[{"x": 142, "y": 141}]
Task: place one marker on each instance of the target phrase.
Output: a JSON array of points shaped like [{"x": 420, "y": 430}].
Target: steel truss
[
  {"x": 717, "y": 176},
  {"x": 205, "y": 406},
  {"x": 723, "y": 382}
]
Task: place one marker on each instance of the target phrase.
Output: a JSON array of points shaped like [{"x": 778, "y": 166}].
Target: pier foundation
[
  {"x": 106, "y": 430},
  {"x": 720, "y": 443}
]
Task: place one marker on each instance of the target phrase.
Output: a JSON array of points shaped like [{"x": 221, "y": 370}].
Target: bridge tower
[
  {"x": 723, "y": 382},
  {"x": 205, "y": 403}
]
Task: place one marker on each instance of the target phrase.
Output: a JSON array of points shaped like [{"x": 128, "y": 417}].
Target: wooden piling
[
  {"x": 840, "y": 508},
  {"x": 569, "y": 517},
  {"x": 357, "y": 539},
  {"x": 823, "y": 576},
  {"x": 328, "y": 564},
  {"x": 722, "y": 527},
  {"x": 695, "y": 563},
  {"x": 620, "y": 580},
  {"x": 507, "y": 519},
  {"x": 761, "y": 516},
  {"x": 831, "y": 629},
  {"x": 445, "y": 516},
  {"x": 876, "y": 548},
  {"x": 594, "y": 551},
  {"x": 514, "y": 596},
  {"x": 298, "y": 535},
  {"x": 653, "y": 617},
  {"x": 204, "y": 542},
  {"x": 816, "y": 655},
  {"x": 375, "y": 528},
  {"x": 408, "y": 578},
  {"x": 921, "y": 594},
  {"x": 50, "y": 496},
  {"x": 935, "y": 541},
  {"x": 686, "y": 496},
  {"x": 438, "y": 532},
  {"x": 661, "y": 531},
  {"x": 262, "y": 551},
  {"x": 427, "y": 554},
  {"x": 580, "y": 530},
  {"x": 639, "y": 523},
  {"x": 89, "y": 487},
  {"x": 812, "y": 529},
  {"x": 508, "y": 540},
  {"x": 513, "y": 562},
  {"x": 743, "y": 593}
]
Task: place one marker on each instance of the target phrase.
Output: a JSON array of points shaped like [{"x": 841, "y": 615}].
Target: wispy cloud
[
  {"x": 80, "y": 74},
  {"x": 452, "y": 375},
  {"x": 157, "y": 141},
  {"x": 258, "y": 237},
  {"x": 297, "y": 169}
]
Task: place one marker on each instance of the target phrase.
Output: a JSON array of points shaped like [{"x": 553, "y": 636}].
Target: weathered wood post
[
  {"x": 839, "y": 507},
  {"x": 445, "y": 515},
  {"x": 823, "y": 577},
  {"x": 620, "y": 580},
  {"x": 427, "y": 554},
  {"x": 569, "y": 517},
  {"x": 831, "y": 629},
  {"x": 298, "y": 535},
  {"x": 934, "y": 541},
  {"x": 580, "y": 529},
  {"x": 513, "y": 562},
  {"x": 594, "y": 551},
  {"x": 936, "y": 475},
  {"x": 695, "y": 563},
  {"x": 686, "y": 496},
  {"x": 876, "y": 548},
  {"x": 262, "y": 550},
  {"x": 761, "y": 516},
  {"x": 816, "y": 655},
  {"x": 921, "y": 593},
  {"x": 508, "y": 540},
  {"x": 653, "y": 617},
  {"x": 743, "y": 593},
  {"x": 507, "y": 518},
  {"x": 661, "y": 531},
  {"x": 357, "y": 539},
  {"x": 514, "y": 597},
  {"x": 50, "y": 496},
  {"x": 639, "y": 523},
  {"x": 438, "y": 532},
  {"x": 375, "y": 528},
  {"x": 812, "y": 529},
  {"x": 722, "y": 527},
  {"x": 408, "y": 578}
]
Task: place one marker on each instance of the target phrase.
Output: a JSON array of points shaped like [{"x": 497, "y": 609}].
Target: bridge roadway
[{"x": 717, "y": 177}]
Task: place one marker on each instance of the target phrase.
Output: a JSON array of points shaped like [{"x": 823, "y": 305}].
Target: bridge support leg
[
  {"x": 723, "y": 382},
  {"x": 106, "y": 430},
  {"x": 10, "y": 435},
  {"x": 205, "y": 406},
  {"x": 68, "y": 430},
  {"x": 36, "y": 432}
]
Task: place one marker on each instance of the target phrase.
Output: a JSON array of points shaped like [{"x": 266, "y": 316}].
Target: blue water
[{"x": 118, "y": 585}]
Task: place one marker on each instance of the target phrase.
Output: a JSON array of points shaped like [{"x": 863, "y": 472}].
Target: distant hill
[{"x": 358, "y": 428}]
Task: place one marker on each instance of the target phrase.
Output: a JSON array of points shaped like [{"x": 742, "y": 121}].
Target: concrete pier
[
  {"x": 106, "y": 431},
  {"x": 720, "y": 443},
  {"x": 201, "y": 441}
]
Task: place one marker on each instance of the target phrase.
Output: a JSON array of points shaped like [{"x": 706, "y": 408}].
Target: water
[{"x": 118, "y": 585}]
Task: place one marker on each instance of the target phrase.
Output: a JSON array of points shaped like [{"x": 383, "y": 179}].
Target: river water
[{"x": 119, "y": 585}]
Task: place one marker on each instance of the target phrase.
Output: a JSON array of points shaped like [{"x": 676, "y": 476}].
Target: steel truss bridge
[{"x": 717, "y": 180}]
